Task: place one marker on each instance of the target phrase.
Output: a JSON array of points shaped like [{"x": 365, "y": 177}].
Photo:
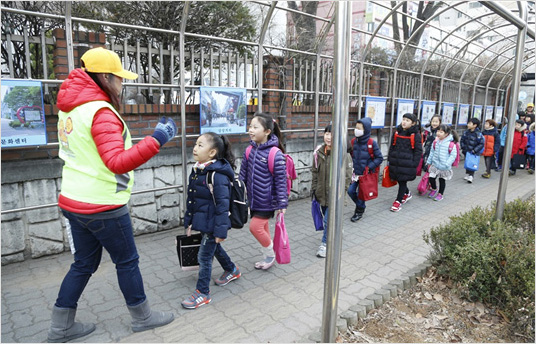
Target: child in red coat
[{"x": 519, "y": 144}]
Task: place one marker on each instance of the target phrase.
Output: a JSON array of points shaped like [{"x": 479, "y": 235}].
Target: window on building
[
  {"x": 475, "y": 4},
  {"x": 370, "y": 27}
]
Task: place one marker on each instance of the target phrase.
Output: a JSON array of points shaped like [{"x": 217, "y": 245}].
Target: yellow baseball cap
[
  {"x": 100, "y": 60},
  {"x": 530, "y": 105}
]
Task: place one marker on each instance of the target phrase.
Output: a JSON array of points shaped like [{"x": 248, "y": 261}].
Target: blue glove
[{"x": 165, "y": 130}]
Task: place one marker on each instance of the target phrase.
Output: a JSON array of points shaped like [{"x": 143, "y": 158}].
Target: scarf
[{"x": 201, "y": 166}]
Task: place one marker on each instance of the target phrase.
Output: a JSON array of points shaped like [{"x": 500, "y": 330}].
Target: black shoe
[{"x": 358, "y": 214}]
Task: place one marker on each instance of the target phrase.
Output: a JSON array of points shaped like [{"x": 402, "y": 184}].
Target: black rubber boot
[{"x": 358, "y": 214}]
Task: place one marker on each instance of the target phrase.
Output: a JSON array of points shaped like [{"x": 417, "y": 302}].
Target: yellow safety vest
[{"x": 85, "y": 178}]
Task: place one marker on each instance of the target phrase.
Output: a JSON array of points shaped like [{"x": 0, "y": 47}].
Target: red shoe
[
  {"x": 406, "y": 197},
  {"x": 396, "y": 206}
]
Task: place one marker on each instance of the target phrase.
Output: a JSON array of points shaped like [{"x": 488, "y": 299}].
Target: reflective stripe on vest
[{"x": 85, "y": 177}]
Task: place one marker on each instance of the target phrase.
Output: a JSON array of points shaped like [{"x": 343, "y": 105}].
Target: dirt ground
[{"x": 431, "y": 312}]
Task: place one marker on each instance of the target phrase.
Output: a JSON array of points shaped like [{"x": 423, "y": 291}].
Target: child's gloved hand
[{"x": 165, "y": 130}]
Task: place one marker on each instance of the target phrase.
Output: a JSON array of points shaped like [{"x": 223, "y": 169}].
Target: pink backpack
[
  {"x": 451, "y": 144},
  {"x": 291, "y": 170}
]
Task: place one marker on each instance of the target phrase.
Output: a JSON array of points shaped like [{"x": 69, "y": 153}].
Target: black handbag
[
  {"x": 187, "y": 250},
  {"x": 519, "y": 161}
]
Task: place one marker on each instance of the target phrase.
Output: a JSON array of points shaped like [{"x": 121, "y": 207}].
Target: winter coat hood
[
  {"x": 79, "y": 89},
  {"x": 523, "y": 127},
  {"x": 221, "y": 166},
  {"x": 367, "y": 128},
  {"x": 414, "y": 129},
  {"x": 490, "y": 131}
]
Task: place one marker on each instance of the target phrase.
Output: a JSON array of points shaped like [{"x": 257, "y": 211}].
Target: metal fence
[{"x": 172, "y": 73}]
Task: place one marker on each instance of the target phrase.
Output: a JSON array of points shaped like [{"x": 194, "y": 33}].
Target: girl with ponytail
[
  {"x": 267, "y": 191},
  {"x": 207, "y": 211}
]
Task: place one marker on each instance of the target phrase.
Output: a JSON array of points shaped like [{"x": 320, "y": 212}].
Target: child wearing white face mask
[{"x": 365, "y": 153}]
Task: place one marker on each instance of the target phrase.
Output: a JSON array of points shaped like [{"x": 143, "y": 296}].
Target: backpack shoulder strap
[
  {"x": 271, "y": 158},
  {"x": 412, "y": 140},
  {"x": 451, "y": 145},
  {"x": 210, "y": 183},
  {"x": 370, "y": 142},
  {"x": 248, "y": 150},
  {"x": 315, "y": 155}
]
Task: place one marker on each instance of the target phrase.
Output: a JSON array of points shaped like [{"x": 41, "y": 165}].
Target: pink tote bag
[{"x": 281, "y": 244}]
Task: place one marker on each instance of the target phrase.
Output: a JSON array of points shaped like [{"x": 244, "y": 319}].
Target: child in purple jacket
[{"x": 267, "y": 192}]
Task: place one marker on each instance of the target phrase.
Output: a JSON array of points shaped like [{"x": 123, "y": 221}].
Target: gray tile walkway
[{"x": 283, "y": 304}]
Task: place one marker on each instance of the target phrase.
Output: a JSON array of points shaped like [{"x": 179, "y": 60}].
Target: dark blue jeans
[
  {"x": 325, "y": 235},
  {"x": 353, "y": 190},
  {"x": 90, "y": 235},
  {"x": 207, "y": 251}
]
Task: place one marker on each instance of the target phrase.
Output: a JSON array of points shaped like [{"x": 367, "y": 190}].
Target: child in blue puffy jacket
[
  {"x": 440, "y": 160},
  {"x": 365, "y": 153},
  {"x": 472, "y": 141},
  {"x": 207, "y": 211}
]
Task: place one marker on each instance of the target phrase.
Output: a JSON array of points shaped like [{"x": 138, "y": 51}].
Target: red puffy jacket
[
  {"x": 520, "y": 142},
  {"x": 106, "y": 130}
]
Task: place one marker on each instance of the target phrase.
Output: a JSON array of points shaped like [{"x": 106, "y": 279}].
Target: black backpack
[{"x": 238, "y": 208}]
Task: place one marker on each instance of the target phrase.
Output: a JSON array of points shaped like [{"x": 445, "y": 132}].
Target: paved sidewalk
[{"x": 283, "y": 304}]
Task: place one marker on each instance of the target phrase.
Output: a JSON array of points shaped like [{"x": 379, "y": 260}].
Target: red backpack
[
  {"x": 291, "y": 169},
  {"x": 451, "y": 144}
]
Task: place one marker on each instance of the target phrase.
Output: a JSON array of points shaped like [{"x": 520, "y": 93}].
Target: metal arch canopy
[
  {"x": 509, "y": 16},
  {"x": 459, "y": 50},
  {"x": 497, "y": 90},
  {"x": 492, "y": 61},
  {"x": 467, "y": 67}
]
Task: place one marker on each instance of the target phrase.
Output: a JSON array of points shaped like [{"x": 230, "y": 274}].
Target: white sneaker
[
  {"x": 466, "y": 177},
  {"x": 470, "y": 179},
  {"x": 321, "y": 253}
]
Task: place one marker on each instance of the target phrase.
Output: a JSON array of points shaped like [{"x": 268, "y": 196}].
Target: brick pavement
[{"x": 283, "y": 304}]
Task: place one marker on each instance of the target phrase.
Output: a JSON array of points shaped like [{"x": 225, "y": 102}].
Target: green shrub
[
  {"x": 491, "y": 261},
  {"x": 14, "y": 124}
]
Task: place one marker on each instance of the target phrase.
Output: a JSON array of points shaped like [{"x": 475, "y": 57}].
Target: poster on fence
[
  {"x": 375, "y": 109},
  {"x": 428, "y": 110},
  {"x": 448, "y": 113},
  {"x": 223, "y": 110},
  {"x": 463, "y": 114},
  {"x": 489, "y": 113},
  {"x": 498, "y": 114},
  {"x": 404, "y": 106},
  {"x": 22, "y": 114},
  {"x": 477, "y": 111}
]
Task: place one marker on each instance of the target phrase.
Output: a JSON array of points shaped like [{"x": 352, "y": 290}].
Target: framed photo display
[
  {"x": 223, "y": 110},
  {"x": 448, "y": 113},
  {"x": 428, "y": 110},
  {"x": 477, "y": 111},
  {"x": 22, "y": 114},
  {"x": 463, "y": 114},
  {"x": 404, "y": 106},
  {"x": 375, "y": 109}
]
